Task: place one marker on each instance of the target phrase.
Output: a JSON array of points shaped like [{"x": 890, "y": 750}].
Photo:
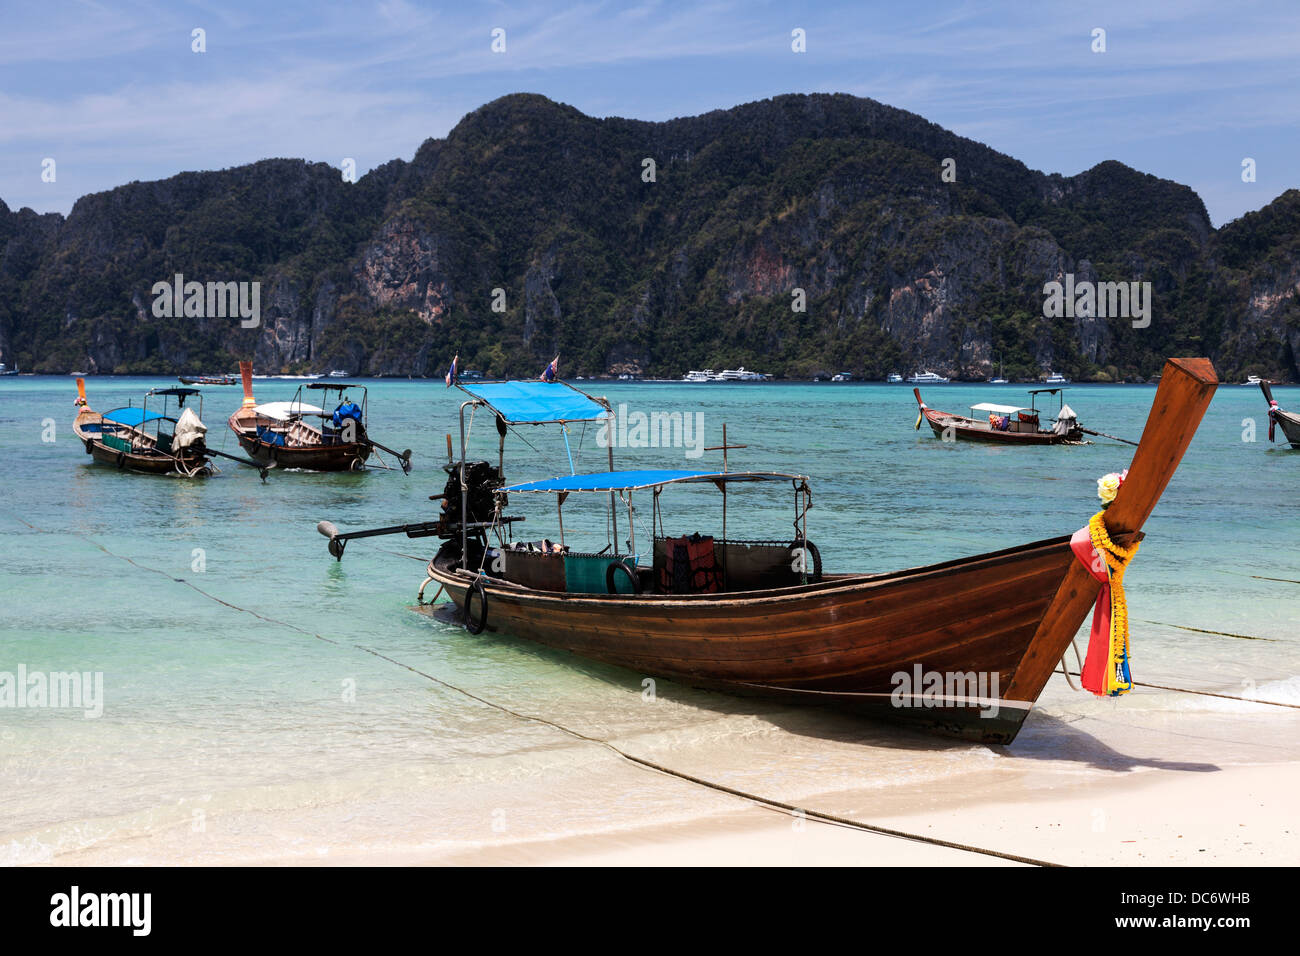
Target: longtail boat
[
  {"x": 207, "y": 380},
  {"x": 302, "y": 434},
  {"x": 1004, "y": 424},
  {"x": 1289, "y": 422},
  {"x": 155, "y": 437},
  {"x": 761, "y": 617}
]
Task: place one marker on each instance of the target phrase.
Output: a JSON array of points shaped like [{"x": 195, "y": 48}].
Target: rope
[{"x": 1117, "y": 679}]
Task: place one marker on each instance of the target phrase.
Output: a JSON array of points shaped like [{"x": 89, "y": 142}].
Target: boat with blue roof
[{"x": 698, "y": 606}]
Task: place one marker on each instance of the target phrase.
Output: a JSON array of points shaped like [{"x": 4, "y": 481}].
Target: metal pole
[
  {"x": 464, "y": 494},
  {"x": 613, "y": 509}
]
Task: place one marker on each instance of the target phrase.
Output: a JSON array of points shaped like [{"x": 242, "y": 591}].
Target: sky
[{"x": 115, "y": 91}]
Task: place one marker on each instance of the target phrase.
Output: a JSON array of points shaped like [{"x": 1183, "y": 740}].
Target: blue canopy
[
  {"x": 537, "y": 403},
  {"x": 632, "y": 480},
  {"x": 132, "y": 417}
]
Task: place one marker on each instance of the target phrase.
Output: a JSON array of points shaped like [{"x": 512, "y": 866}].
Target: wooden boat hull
[
  {"x": 941, "y": 426},
  {"x": 866, "y": 644},
  {"x": 349, "y": 456},
  {"x": 188, "y": 465},
  {"x": 1290, "y": 426}
]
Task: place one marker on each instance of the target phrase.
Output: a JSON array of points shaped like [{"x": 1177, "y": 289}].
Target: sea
[{"x": 262, "y": 702}]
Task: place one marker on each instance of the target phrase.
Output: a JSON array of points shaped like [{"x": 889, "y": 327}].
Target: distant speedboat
[
  {"x": 842, "y": 377},
  {"x": 894, "y": 378},
  {"x": 998, "y": 381},
  {"x": 1056, "y": 378},
  {"x": 338, "y": 373},
  {"x": 928, "y": 378},
  {"x": 1250, "y": 379}
]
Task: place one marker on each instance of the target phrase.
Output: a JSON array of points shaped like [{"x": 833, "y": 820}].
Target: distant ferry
[
  {"x": 726, "y": 375},
  {"x": 894, "y": 378},
  {"x": 741, "y": 375},
  {"x": 928, "y": 378},
  {"x": 1056, "y": 378},
  {"x": 842, "y": 377}
]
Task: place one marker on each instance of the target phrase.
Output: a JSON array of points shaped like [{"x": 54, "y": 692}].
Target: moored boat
[
  {"x": 1003, "y": 424},
  {"x": 207, "y": 379},
  {"x": 927, "y": 378},
  {"x": 1288, "y": 422},
  {"x": 761, "y": 617},
  {"x": 148, "y": 438},
  {"x": 302, "y": 434}
]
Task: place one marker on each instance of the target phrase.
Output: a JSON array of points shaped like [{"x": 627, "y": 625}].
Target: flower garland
[{"x": 1118, "y": 679}]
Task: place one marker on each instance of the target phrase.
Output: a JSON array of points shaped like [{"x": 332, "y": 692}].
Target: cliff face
[{"x": 791, "y": 235}]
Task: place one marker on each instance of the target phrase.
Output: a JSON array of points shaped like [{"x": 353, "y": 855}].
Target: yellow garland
[{"x": 1117, "y": 558}]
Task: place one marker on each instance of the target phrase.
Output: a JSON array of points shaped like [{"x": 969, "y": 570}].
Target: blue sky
[{"x": 113, "y": 93}]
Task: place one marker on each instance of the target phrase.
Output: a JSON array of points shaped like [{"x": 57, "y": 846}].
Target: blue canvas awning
[
  {"x": 633, "y": 480},
  {"x": 131, "y": 417},
  {"x": 536, "y": 403}
]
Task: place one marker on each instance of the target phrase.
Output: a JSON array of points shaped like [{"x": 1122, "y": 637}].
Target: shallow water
[{"x": 245, "y": 715}]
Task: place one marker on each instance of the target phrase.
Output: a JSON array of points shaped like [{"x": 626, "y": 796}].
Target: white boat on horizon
[
  {"x": 740, "y": 375},
  {"x": 1056, "y": 378},
  {"x": 927, "y": 378},
  {"x": 894, "y": 378},
  {"x": 708, "y": 375}
]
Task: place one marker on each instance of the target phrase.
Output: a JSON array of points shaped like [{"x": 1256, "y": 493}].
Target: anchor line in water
[{"x": 768, "y": 802}]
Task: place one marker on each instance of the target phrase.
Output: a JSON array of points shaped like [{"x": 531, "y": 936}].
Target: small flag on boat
[
  {"x": 552, "y": 370},
  {"x": 451, "y": 372}
]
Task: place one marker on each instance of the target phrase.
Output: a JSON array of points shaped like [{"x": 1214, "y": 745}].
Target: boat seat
[{"x": 300, "y": 433}]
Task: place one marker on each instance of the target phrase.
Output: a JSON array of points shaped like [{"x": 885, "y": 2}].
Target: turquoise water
[{"x": 240, "y": 662}]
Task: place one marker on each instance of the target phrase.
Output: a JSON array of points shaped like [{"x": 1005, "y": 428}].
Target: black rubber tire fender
[
  {"x": 614, "y": 567},
  {"x": 471, "y": 625},
  {"x": 816, "y": 556}
]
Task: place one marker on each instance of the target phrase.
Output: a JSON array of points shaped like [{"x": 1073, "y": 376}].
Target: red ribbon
[{"x": 1098, "y": 659}]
